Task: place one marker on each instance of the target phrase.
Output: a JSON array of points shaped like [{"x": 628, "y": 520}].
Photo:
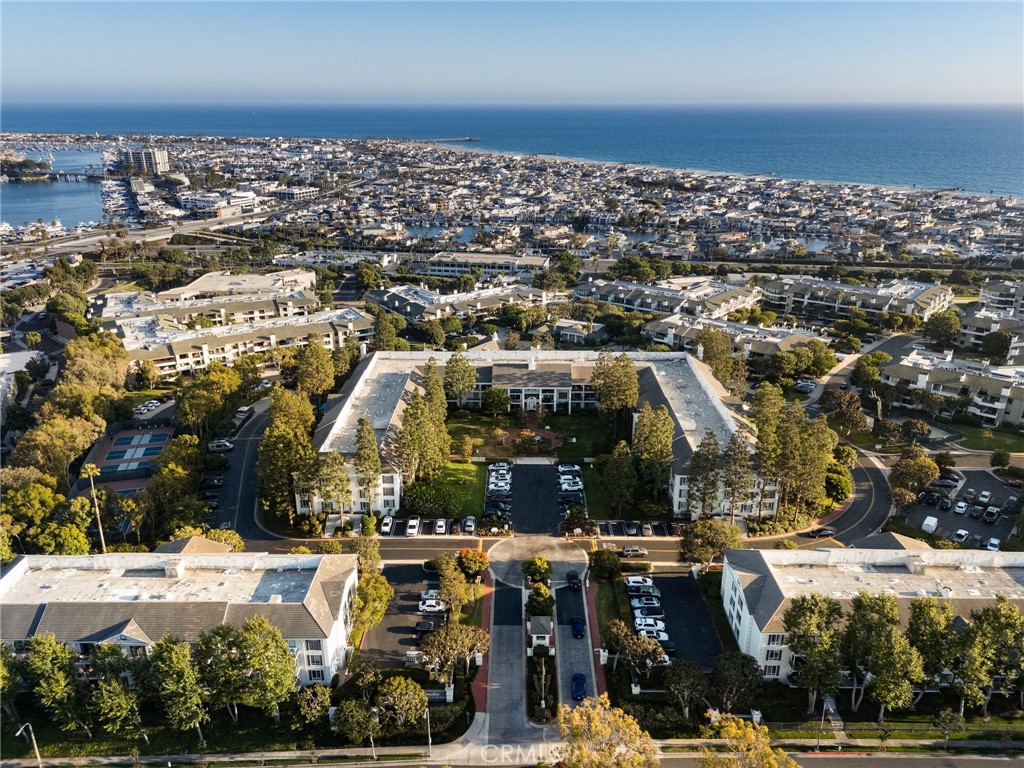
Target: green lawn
[
  {"x": 128, "y": 287},
  {"x": 611, "y": 604},
  {"x": 479, "y": 427},
  {"x": 473, "y": 614},
  {"x": 975, "y": 439},
  {"x": 862, "y": 439},
  {"x": 596, "y": 507},
  {"x": 469, "y": 481},
  {"x": 594, "y": 434}
]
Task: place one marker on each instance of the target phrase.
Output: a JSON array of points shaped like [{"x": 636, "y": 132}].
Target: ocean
[{"x": 977, "y": 149}]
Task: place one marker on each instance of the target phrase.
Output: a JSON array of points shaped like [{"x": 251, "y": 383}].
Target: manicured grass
[
  {"x": 139, "y": 396},
  {"x": 467, "y": 480},
  {"x": 974, "y": 439},
  {"x": 862, "y": 439},
  {"x": 128, "y": 287},
  {"x": 594, "y": 434},
  {"x": 473, "y": 614},
  {"x": 479, "y": 427},
  {"x": 609, "y": 607},
  {"x": 592, "y": 488}
]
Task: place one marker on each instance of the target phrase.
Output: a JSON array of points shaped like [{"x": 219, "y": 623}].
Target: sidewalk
[
  {"x": 600, "y": 682},
  {"x": 479, "y": 687}
]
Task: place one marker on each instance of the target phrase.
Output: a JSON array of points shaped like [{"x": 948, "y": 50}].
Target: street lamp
[
  {"x": 373, "y": 749},
  {"x": 825, "y": 709},
  {"x": 430, "y": 741},
  {"x": 32, "y": 735}
]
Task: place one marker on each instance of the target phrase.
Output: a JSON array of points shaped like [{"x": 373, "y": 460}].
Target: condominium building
[
  {"x": 296, "y": 193},
  {"x": 227, "y": 283},
  {"x": 558, "y": 382},
  {"x": 995, "y": 394},
  {"x": 758, "y": 585},
  {"x": 975, "y": 326},
  {"x": 218, "y": 311},
  {"x": 417, "y": 303},
  {"x": 133, "y": 600},
  {"x": 487, "y": 264},
  {"x": 147, "y": 160},
  {"x": 694, "y": 297},
  {"x": 805, "y": 296},
  {"x": 1004, "y": 297},
  {"x": 680, "y": 332}
]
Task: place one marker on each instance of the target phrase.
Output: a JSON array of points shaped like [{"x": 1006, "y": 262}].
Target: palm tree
[{"x": 91, "y": 471}]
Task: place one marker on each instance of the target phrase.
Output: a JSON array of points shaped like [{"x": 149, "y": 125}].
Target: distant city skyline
[{"x": 492, "y": 53}]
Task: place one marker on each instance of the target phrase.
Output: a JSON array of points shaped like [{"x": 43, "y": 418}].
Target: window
[
  {"x": 316, "y": 674},
  {"x": 318, "y": 661},
  {"x": 20, "y": 646},
  {"x": 313, "y": 645},
  {"x": 776, "y": 639},
  {"x": 775, "y": 655},
  {"x": 772, "y": 670},
  {"x": 389, "y": 503}
]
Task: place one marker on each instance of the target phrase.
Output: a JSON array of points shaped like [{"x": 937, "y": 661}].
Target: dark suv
[{"x": 572, "y": 578}]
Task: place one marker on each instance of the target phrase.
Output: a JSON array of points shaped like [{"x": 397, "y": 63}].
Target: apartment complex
[
  {"x": 1001, "y": 309},
  {"x": 133, "y": 600},
  {"x": 758, "y": 585},
  {"x": 451, "y": 264},
  {"x": 417, "y": 303},
  {"x": 227, "y": 283},
  {"x": 1005, "y": 297},
  {"x": 558, "y": 382},
  {"x": 680, "y": 332},
  {"x": 147, "y": 160},
  {"x": 805, "y": 296},
  {"x": 694, "y": 297},
  {"x": 995, "y": 394},
  {"x": 216, "y": 311}
]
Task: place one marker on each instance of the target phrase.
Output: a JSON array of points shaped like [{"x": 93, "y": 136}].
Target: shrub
[
  {"x": 431, "y": 499},
  {"x": 472, "y": 562},
  {"x": 605, "y": 564}
]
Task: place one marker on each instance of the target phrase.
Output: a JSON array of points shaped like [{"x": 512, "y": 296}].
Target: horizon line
[{"x": 507, "y": 104}]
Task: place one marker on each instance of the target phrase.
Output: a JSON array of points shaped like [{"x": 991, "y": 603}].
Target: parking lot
[
  {"x": 978, "y": 530},
  {"x": 621, "y": 528},
  {"x": 388, "y": 642},
  {"x": 535, "y": 498}
]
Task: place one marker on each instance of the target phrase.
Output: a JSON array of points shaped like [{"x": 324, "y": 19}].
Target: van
[
  {"x": 245, "y": 410},
  {"x": 930, "y": 524}
]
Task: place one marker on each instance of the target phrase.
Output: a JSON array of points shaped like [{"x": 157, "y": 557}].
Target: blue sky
[{"x": 513, "y": 52}]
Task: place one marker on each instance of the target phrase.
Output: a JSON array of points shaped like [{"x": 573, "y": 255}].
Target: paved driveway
[
  {"x": 573, "y": 654},
  {"x": 687, "y": 620},
  {"x": 535, "y": 499},
  {"x": 949, "y": 522},
  {"x": 388, "y": 642}
]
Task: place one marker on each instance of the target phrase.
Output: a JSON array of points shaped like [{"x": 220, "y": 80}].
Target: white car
[
  {"x": 654, "y": 624},
  {"x": 265, "y": 384},
  {"x": 568, "y": 468},
  {"x": 992, "y": 545},
  {"x": 499, "y": 477},
  {"x": 572, "y": 486},
  {"x": 430, "y": 594},
  {"x": 655, "y": 633},
  {"x": 639, "y": 581},
  {"x": 412, "y": 528},
  {"x": 569, "y": 479},
  {"x": 984, "y": 497},
  {"x": 469, "y": 526},
  {"x": 432, "y": 606},
  {"x": 220, "y": 446},
  {"x": 387, "y": 525},
  {"x": 497, "y": 466},
  {"x": 961, "y": 536},
  {"x": 440, "y": 526},
  {"x": 918, "y": 346},
  {"x": 961, "y": 507},
  {"x": 493, "y": 487}
]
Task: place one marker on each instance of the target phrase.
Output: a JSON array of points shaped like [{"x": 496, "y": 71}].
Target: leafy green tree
[
  {"x": 176, "y": 685},
  {"x": 813, "y": 624},
  {"x": 271, "y": 666},
  {"x": 313, "y": 702},
  {"x": 33, "y": 339},
  {"x": 431, "y": 333},
  {"x": 401, "y": 701},
  {"x": 511, "y": 342},
  {"x": 943, "y": 327},
  {"x": 641, "y": 653},
  {"x": 459, "y": 377},
  {"x": 737, "y": 473},
  {"x": 913, "y": 473},
  {"x": 766, "y": 413},
  {"x": 887, "y": 430},
  {"x": 618, "y": 476},
  {"x": 844, "y": 408},
  {"x": 897, "y": 666},
  {"x": 540, "y": 601},
  {"x": 597, "y": 735},
  {"x": 117, "y": 710},
  {"x": 845, "y": 456},
  {"x": 872, "y": 618},
  {"x": 616, "y": 382},
  {"x": 1000, "y": 458},
  {"x": 996, "y": 344},
  {"x": 866, "y": 371},
  {"x": 54, "y": 444},
  {"x": 1001, "y": 629},
  {"x": 913, "y": 430},
  {"x": 745, "y": 744},
  {"x": 495, "y": 401},
  {"x": 945, "y": 461},
  {"x": 222, "y": 667},
  {"x": 604, "y": 564},
  {"x": 56, "y": 685},
  {"x": 455, "y": 590},
  {"x": 706, "y": 539},
  {"x": 838, "y": 482},
  {"x": 385, "y": 337},
  {"x": 371, "y": 602},
  {"x": 473, "y": 562},
  {"x": 652, "y": 446},
  {"x": 931, "y": 630},
  {"x": 444, "y": 647},
  {"x": 705, "y": 476},
  {"x": 367, "y": 459},
  {"x": 736, "y": 678},
  {"x": 315, "y": 375},
  {"x": 686, "y": 683},
  {"x": 949, "y": 722},
  {"x": 537, "y": 569},
  {"x": 12, "y": 672},
  {"x": 356, "y": 721},
  {"x": 716, "y": 352}
]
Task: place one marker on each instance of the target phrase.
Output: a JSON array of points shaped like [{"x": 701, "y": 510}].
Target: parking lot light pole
[
  {"x": 430, "y": 741},
  {"x": 373, "y": 749},
  {"x": 821, "y": 726},
  {"x": 32, "y": 736}
]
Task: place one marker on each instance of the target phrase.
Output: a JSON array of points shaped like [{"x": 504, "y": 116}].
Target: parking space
[
  {"x": 970, "y": 511},
  {"x": 427, "y": 527},
  {"x": 639, "y": 528},
  {"x": 534, "y": 502},
  {"x": 388, "y": 643},
  {"x": 687, "y": 620}
]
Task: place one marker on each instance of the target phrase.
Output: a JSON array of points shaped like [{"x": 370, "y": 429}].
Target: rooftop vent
[
  {"x": 274, "y": 599},
  {"x": 175, "y": 569}
]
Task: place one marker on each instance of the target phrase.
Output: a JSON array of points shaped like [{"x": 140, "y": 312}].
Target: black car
[
  {"x": 976, "y": 511},
  {"x": 931, "y": 499},
  {"x": 668, "y": 647},
  {"x": 572, "y": 578},
  {"x": 579, "y": 629},
  {"x": 945, "y": 504},
  {"x": 425, "y": 627},
  {"x": 944, "y": 483},
  {"x": 821, "y": 533},
  {"x": 504, "y": 506},
  {"x": 211, "y": 494}
]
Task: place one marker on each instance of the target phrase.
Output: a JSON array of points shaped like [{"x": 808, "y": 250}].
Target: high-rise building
[{"x": 147, "y": 160}]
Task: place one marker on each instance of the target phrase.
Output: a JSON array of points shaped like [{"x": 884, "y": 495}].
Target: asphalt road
[
  {"x": 573, "y": 654},
  {"x": 535, "y": 499}
]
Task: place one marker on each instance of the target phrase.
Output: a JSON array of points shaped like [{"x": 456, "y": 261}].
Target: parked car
[
  {"x": 387, "y": 525},
  {"x": 646, "y": 530},
  {"x": 412, "y": 527},
  {"x": 579, "y": 629},
  {"x": 220, "y": 446},
  {"x": 655, "y": 633},
  {"x": 469, "y": 526},
  {"x": 976, "y": 511},
  {"x": 984, "y": 497},
  {"x": 945, "y": 504},
  {"x": 430, "y": 594},
  {"x": 634, "y": 552},
  {"x": 992, "y": 545},
  {"x": 440, "y": 526},
  {"x": 961, "y": 536},
  {"x": 432, "y": 606},
  {"x": 568, "y": 468},
  {"x": 499, "y": 465},
  {"x": 990, "y": 515},
  {"x": 961, "y": 508},
  {"x": 579, "y": 686},
  {"x": 969, "y": 495},
  {"x": 1011, "y": 504},
  {"x": 944, "y": 483},
  {"x": 572, "y": 579},
  {"x": 641, "y": 591},
  {"x": 645, "y": 602},
  {"x": 639, "y": 581},
  {"x": 630, "y": 528},
  {"x": 932, "y": 499},
  {"x": 668, "y": 647},
  {"x": 646, "y": 623},
  {"x": 425, "y": 627},
  {"x": 211, "y": 494},
  {"x": 649, "y": 613},
  {"x": 822, "y": 533}
]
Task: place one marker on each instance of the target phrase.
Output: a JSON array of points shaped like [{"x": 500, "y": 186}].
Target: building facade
[
  {"x": 805, "y": 296},
  {"x": 147, "y": 160},
  {"x": 693, "y": 297},
  {"x": 133, "y": 600}
]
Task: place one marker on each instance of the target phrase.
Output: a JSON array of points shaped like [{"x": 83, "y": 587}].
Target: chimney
[{"x": 175, "y": 569}]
